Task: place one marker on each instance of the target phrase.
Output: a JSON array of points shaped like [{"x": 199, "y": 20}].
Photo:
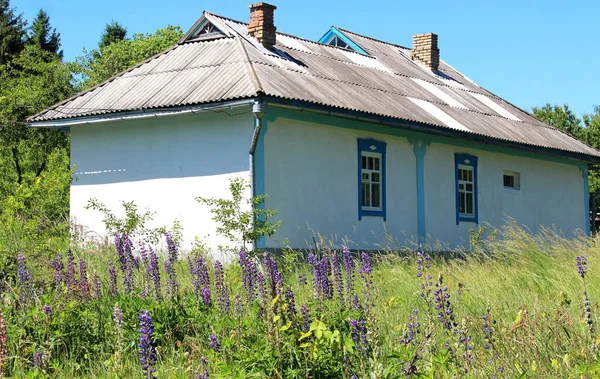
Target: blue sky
[{"x": 528, "y": 51}]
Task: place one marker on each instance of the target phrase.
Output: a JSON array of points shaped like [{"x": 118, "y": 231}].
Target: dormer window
[{"x": 335, "y": 41}]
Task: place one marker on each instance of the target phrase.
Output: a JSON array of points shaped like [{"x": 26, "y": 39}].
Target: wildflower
[
  {"x": 291, "y": 303},
  {"x": 70, "y": 275},
  {"x": 302, "y": 279},
  {"x": 356, "y": 303},
  {"x": 144, "y": 254},
  {"x": 214, "y": 343},
  {"x": 261, "y": 287},
  {"x": 172, "y": 282},
  {"x": 146, "y": 345},
  {"x": 337, "y": 276},
  {"x": 248, "y": 275},
  {"x": 275, "y": 277},
  {"x": 3, "y": 345},
  {"x": 154, "y": 273},
  {"x": 412, "y": 328},
  {"x": 97, "y": 285},
  {"x": 38, "y": 359},
  {"x": 359, "y": 335},
  {"x": 349, "y": 268},
  {"x": 47, "y": 310},
  {"x": 305, "y": 318},
  {"x": 204, "y": 373},
  {"x": 58, "y": 267},
  {"x": 239, "y": 306},
  {"x": 221, "y": 288},
  {"x": 204, "y": 279},
  {"x": 581, "y": 263},
  {"x": 172, "y": 248},
  {"x": 84, "y": 285},
  {"x": 24, "y": 275},
  {"x": 112, "y": 279},
  {"x": 443, "y": 305},
  {"x": 128, "y": 250}
]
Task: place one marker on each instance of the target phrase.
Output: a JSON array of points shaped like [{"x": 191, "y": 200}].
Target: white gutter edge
[{"x": 64, "y": 124}]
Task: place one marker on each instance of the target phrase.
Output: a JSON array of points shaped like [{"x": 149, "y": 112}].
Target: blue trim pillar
[
  {"x": 586, "y": 197},
  {"x": 259, "y": 170},
  {"x": 420, "y": 149}
]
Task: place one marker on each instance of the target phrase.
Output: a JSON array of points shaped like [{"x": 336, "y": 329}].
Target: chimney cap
[{"x": 262, "y": 5}]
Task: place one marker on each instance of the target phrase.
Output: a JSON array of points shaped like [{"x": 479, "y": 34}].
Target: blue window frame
[
  {"x": 371, "y": 178},
  {"x": 465, "y": 168}
]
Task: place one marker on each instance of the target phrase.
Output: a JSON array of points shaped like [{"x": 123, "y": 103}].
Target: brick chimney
[
  {"x": 425, "y": 50},
  {"x": 262, "y": 26}
]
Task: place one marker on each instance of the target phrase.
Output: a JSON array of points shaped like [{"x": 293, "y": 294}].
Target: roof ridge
[
  {"x": 249, "y": 67},
  {"x": 371, "y": 38}
]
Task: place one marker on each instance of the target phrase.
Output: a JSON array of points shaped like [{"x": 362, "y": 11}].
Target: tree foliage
[
  {"x": 12, "y": 32},
  {"x": 99, "y": 65},
  {"x": 43, "y": 35},
  {"x": 113, "y": 32}
]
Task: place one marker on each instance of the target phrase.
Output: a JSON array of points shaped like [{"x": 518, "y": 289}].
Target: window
[
  {"x": 512, "y": 180},
  {"x": 371, "y": 180},
  {"x": 466, "y": 188},
  {"x": 336, "y": 41}
]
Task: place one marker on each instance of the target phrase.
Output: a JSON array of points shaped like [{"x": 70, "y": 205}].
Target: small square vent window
[{"x": 512, "y": 179}]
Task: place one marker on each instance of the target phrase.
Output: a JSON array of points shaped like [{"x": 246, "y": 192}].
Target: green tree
[
  {"x": 43, "y": 35},
  {"x": 114, "y": 32},
  {"x": 12, "y": 32},
  {"x": 98, "y": 65}
]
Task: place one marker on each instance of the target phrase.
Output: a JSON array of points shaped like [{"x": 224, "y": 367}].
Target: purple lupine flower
[
  {"x": 70, "y": 275},
  {"x": 291, "y": 303},
  {"x": 314, "y": 262},
  {"x": 275, "y": 277},
  {"x": 128, "y": 251},
  {"x": 359, "y": 335},
  {"x": 349, "y": 268},
  {"x": 24, "y": 275},
  {"x": 128, "y": 279},
  {"x": 248, "y": 275},
  {"x": 84, "y": 285},
  {"x": 581, "y": 263},
  {"x": 261, "y": 287},
  {"x": 38, "y": 359},
  {"x": 154, "y": 273},
  {"x": 118, "y": 318},
  {"x": 337, "y": 276},
  {"x": 302, "y": 281},
  {"x": 214, "y": 343},
  {"x": 305, "y": 318},
  {"x": 367, "y": 278},
  {"x": 443, "y": 305},
  {"x": 172, "y": 282},
  {"x": 220, "y": 287},
  {"x": 3, "y": 344},
  {"x": 58, "y": 267},
  {"x": 238, "y": 306},
  {"x": 204, "y": 373},
  {"x": 120, "y": 251},
  {"x": 112, "y": 279},
  {"x": 146, "y": 345},
  {"x": 144, "y": 254},
  {"x": 172, "y": 248},
  {"x": 97, "y": 285},
  {"x": 412, "y": 329},
  {"x": 194, "y": 275},
  {"x": 356, "y": 303},
  {"x": 326, "y": 283},
  {"x": 204, "y": 279},
  {"x": 47, "y": 310}
]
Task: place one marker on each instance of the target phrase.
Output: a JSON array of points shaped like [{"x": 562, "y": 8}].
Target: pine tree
[
  {"x": 12, "y": 32},
  {"x": 43, "y": 35},
  {"x": 114, "y": 32}
]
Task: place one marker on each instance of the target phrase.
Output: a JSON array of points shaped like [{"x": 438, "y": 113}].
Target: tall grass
[{"x": 521, "y": 291}]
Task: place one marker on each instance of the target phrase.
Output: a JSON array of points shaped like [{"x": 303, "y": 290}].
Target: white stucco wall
[
  {"x": 311, "y": 179},
  {"x": 551, "y": 194},
  {"x": 160, "y": 163}
]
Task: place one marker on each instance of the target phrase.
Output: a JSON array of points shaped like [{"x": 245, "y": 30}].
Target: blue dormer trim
[
  {"x": 466, "y": 160},
  {"x": 333, "y": 32},
  {"x": 372, "y": 146}
]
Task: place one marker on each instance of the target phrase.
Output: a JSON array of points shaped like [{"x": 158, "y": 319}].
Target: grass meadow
[{"x": 518, "y": 305}]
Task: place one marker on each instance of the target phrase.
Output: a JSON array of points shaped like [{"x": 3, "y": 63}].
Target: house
[{"x": 349, "y": 137}]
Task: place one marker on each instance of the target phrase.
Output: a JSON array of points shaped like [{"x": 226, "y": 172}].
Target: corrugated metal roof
[{"x": 385, "y": 83}]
